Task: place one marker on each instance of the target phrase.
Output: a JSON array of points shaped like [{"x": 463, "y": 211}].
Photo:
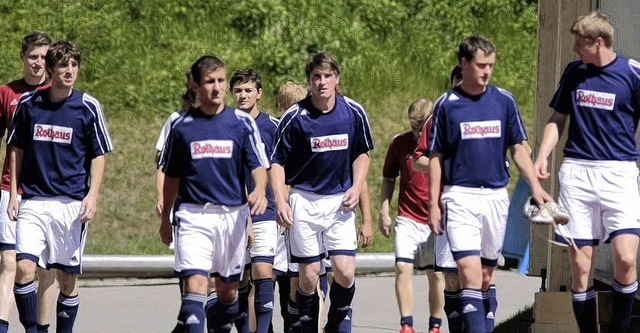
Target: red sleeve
[{"x": 391, "y": 167}]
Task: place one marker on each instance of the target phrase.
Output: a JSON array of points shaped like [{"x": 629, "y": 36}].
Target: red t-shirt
[
  {"x": 414, "y": 186},
  {"x": 10, "y": 94}
]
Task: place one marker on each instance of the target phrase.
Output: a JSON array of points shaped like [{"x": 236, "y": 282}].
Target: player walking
[
  {"x": 59, "y": 137},
  {"x": 476, "y": 122},
  {"x": 600, "y": 92},
  {"x": 207, "y": 152},
  {"x": 322, "y": 152}
]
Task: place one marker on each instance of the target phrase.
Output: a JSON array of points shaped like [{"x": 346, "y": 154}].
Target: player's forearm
[
  {"x": 260, "y": 179},
  {"x": 435, "y": 178},
  {"x": 522, "y": 158},
  {"x": 159, "y": 183},
  {"x": 97, "y": 173},
  {"x": 365, "y": 204},
  {"x": 15, "y": 170},
  {"x": 360, "y": 170},
  {"x": 169, "y": 194},
  {"x": 551, "y": 134},
  {"x": 276, "y": 181},
  {"x": 386, "y": 193}
]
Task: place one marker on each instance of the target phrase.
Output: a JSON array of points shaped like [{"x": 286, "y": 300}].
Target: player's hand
[
  {"x": 258, "y": 202},
  {"x": 166, "y": 232},
  {"x": 541, "y": 167},
  {"x": 365, "y": 233},
  {"x": 13, "y": 209},
  {"x": 284, "y": 215},
  {"x": 384, "y": 225},
  {"x": 435, "y": 219},
  {"x": 88, "y": 208},
  {"x": 251, "y": 236},
  {"x": 351, "y": 198},
  {"x": 541, "y": 196}
]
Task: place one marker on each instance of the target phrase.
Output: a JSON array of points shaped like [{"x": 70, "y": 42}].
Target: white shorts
[
  {"x": 320, "y": 225},
  {"x": 280, "y": 261},
  {"x": 293, "y": 268},
  {"x": 49, "y": 232},
  {"x": 602, "y": 198},
  {"x": 476, "y": 221},
  {"x": 7, "y": 226},
  {"x": 211, "y": 240},
  {"x": 265, "y": 242},
  {"x": 444, "y": 257},
  {"x": 411, "y": 243}
]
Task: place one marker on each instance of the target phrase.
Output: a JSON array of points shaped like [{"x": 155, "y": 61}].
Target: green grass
[{"x": 136, "y": 53}]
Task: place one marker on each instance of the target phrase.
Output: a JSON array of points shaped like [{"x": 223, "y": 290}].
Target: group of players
[{"x": 230, "y": 179}]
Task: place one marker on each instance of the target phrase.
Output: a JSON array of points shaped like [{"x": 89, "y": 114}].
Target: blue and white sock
[
  {"x": 472, "y": 310},
  {"x": 209, "y": 309},
  {"x": 192, "y": 311},
  {"x": 242, "y": 319},
  {"x": 66, "y": 312},
  {"x": 27, "y": 304},
  {"x": 406, "y": 320},
  {"x": 263, "y": 304},
  {"x": 585, "y": 311},
  {"x": 341, "y": 298},
  {"x": 453, "y": 311},
  {"x": 490, "y": 300},
  {"x": 623, "y": 299},
  {"x": 225, "y": 315},
  {"x": 294, "y": 316},
  {"x": 308, "y": 306}
]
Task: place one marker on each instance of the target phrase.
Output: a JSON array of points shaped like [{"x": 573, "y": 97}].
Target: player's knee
[
  {"x": 626, "y": 262},
  {"x": 9, "y": 265},
  {"x": 25, "y": 271},
  {"x": 66, "y": 282}
]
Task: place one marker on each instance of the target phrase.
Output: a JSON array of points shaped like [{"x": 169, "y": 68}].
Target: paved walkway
[{"x": 112, "y": 306}]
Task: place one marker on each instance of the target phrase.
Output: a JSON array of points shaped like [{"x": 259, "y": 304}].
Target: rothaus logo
[
  {"x": 330, "y": 143},
  {"x": 481, "y": 129},
  {"x": 52, "y": 133},
  {"x": 595, "y": 99},
  {"x": 211, "y": 149}
]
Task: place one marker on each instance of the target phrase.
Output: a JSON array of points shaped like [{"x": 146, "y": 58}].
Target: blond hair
[
  {"x": 592, "y": 26},
  {"x": 289, "y": 93},
  {"x": 421, "y": 109}
]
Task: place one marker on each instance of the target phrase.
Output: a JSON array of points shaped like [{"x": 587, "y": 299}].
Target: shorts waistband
[
  {"x": 474, "y": 190},
  {"x": 211, "y": 207},
  {"x": 600, "y": 163},
  {"x": 61, "y": 198},
  {"x": 315, "y": 196}
]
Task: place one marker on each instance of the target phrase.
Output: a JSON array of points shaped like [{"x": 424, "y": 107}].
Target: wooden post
[{"x": 555, "y": 50}]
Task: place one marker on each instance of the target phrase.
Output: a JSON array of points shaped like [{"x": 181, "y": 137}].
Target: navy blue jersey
[
  {"x": 317, "y": 149},
  {"x": 209, "y": 155},
  {"x": 267, "y": 126},
  {"x": 58, "y": 140},
  {"x": 604, "y": 105},
  {"x": 473, "y": 134}
]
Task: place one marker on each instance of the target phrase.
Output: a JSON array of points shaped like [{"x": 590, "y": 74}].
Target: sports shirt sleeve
[
  {"x": 164, "y": 133},
  {"x": 98, "y": 130},
  {"x": 421, "y": 149},
  {"x": 561, "y": 101},
  {"x": 391, "y": 168},
  {"x": 20, "y": 128},
  {"x": 438, "y": 133},
  {"x": 253, "y": 147}
]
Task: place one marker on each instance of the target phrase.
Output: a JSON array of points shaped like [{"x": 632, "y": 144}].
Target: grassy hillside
[{"x": 136, "y": 53}]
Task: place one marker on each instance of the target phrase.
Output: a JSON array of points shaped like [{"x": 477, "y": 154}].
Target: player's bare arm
[
  {"x": 552, "y": 132},
  {"x": 521, "y": 157},
  {"x": 360, "y": 170},
  {"x": 258, "y": 197},
  {"x": 170, "y": 193},
  {"x": 281, "y": 194},
  {"x": 90, "y": 202},
  {"x": 15, "y": 168},
  {"x": 420, "y": 164},
  {"x": 365, "y": 231},
  {"x": 435, "y": 174},
  {"x": 159, "y": 197},
  {"x": 386, "y": 193}
]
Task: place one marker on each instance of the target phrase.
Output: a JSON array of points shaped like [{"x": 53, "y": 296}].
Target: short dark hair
[
  {"x": 34, "y": 39},
  {"x": 62, "y": 51},
  {"x": 323, "y": 60},
  {"x": 246, "y": 75},
  {"x": 472, "y": 44},
  {"x": 203, "y": 64}
]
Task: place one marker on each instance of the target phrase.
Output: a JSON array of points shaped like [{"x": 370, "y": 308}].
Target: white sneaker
[
  {"x": 537, "y": 213},
  {"x": 559, "y": 214}
]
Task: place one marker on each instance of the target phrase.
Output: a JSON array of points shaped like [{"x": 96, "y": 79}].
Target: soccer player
[
  {"x": 246, "y": 89},
  {"x": 59, "y": 138},
  {"x": 412, "y": 228},
  {"x": 600, "y": 92},
  {"x": 322, "y": 152},
  {"x": 207, "y": 152},
  {"x": 33, "y": 52},
  {"x": 476, "y": 122}
]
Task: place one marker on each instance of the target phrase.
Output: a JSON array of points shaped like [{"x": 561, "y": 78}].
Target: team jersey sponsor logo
[
  {"x": 211, "y": 149},
  {"x": 43, "y": 132},
  {"x": 481, "y": 129},
  {"x": 595, "y": 99},
  {"x": 330, "y": 143}
]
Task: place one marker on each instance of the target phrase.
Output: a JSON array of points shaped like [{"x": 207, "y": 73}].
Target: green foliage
[{"x": 136, "y": 52}]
